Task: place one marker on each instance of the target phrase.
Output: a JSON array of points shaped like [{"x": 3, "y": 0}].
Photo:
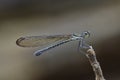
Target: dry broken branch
[{"x": 95, "y": 64}]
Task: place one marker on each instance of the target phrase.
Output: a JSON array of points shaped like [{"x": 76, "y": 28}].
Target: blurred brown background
[{"x": 44, "y": 17}]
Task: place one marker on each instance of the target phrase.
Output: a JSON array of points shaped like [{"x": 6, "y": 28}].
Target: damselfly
[{"x": 35, "y": 41}]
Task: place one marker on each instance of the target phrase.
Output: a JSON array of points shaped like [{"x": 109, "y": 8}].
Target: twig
[{"x": 90, "y": 54}]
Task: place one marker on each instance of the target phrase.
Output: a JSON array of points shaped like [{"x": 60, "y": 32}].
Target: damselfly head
[{"x": 85, "y": 34}]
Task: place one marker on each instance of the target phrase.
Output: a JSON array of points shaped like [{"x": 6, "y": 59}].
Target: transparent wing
[{"x": 35, "y": 41}]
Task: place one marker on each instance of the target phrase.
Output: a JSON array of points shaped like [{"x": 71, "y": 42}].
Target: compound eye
[{"x": 86, "y": 34}]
